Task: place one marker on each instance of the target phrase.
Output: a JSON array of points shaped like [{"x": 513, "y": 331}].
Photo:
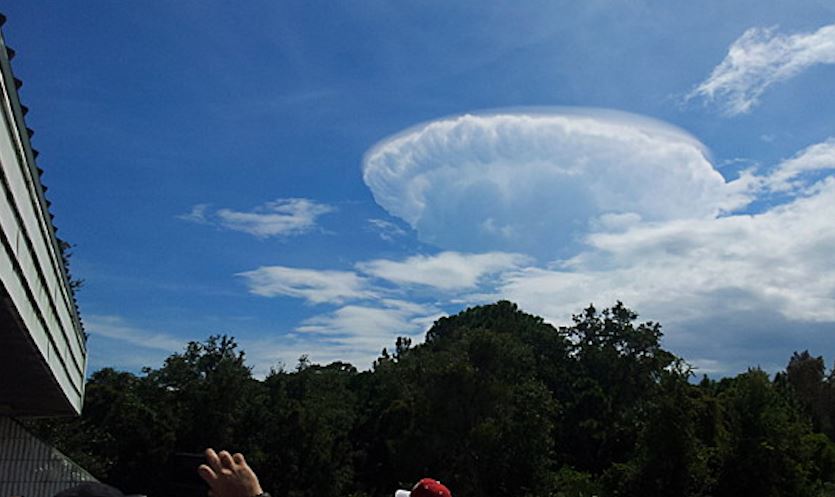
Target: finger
[
  {"x": 213, "y": 460},
  {"x": 206, "y": 473},
  {"x": 226, "y": 460},
  {"x": 239, "y": 458}
]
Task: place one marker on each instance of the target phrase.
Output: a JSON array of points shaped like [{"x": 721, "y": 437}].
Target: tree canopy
[{"x": 496, "y": 402}]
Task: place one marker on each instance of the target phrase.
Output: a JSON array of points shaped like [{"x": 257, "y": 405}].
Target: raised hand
[{"x": 229, "y": 475}]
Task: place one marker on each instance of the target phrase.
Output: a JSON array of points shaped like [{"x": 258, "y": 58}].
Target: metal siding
[
  {"x": 34, "y": 276},
  {"x": 26, "y": 257},
  {"x": 49, "y": 254},
  {"x": 31, "y": 468}
]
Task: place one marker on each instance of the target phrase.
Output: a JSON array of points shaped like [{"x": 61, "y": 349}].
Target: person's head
[{"x": 426, "y": 487}]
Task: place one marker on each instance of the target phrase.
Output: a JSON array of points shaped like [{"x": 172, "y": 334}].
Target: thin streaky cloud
[
  {"x": 115, "y": 327},
  {"x": 386, "y": 230},
  {"x": 760, "y": 58},
  {"x": 196, "y": 215},
  {"x": 281, "y": 217},
  {"x": 788, "y": 175}
]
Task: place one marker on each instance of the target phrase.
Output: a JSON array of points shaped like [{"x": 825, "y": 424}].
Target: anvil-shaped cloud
[
  {"x": 614, "y": 207},
  {"x": 532, "y": 182}
]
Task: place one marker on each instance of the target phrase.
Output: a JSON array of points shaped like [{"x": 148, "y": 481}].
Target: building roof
[{"x": 43, "y": 340}]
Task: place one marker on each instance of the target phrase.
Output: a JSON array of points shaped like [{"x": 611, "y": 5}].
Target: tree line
[{"x": 496, "y": 402}]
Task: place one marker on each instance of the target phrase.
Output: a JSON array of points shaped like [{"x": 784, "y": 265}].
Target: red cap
[{"x": 428, "y": 487}]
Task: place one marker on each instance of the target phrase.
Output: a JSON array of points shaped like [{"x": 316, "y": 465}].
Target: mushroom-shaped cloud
[{"x": 537, "y": 181}]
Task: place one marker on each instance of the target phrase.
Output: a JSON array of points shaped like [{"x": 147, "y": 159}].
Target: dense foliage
[{"x": 495, "y": 403}]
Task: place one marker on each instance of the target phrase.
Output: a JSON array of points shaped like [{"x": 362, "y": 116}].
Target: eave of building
[{"x": 36, "y": 297}]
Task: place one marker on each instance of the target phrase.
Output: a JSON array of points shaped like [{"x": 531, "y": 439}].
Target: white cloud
[
  {"x": 781, "y": 258},
  {"x": 723, "y": 280},
  {"x": 283, "y": 351},
  {"x": 352, "y": 333},
  {"x": 532, "y": 182},
  {"x": 445, "y": 271},
  {"x": 761, "y": 58},
  {"x": 369, "y": 327},
  {"x": 366, "y": 321},
  {"x": 732, "y": 289},
  {"x": 196, "y": 215},
  {"x": 282, "y": 217},
  {"x": 387, "y": 230},
  {"x": 315, "y": 286},
  {"x": 788, "y": 176}
]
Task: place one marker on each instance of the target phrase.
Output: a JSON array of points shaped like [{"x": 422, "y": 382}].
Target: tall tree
[
  {"x": 806, "y": 376},
  {"x": 766, "y": 455},
  {"x": 616, "y": 368},
  {"x": 308, "y": 437}
]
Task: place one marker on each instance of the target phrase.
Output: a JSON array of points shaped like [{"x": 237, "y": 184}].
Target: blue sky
[{"x": 320, "y": 178}]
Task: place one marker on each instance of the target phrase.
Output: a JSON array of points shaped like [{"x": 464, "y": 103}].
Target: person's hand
[{"x": 228, "y": 475}]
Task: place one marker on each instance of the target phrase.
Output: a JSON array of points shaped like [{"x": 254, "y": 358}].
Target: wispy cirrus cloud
[
  {"x": 282, "y": 217},
  {"x": 793, "y": 174},
  {"x": 315, "y": 286},
  {"x": 114, "y": 341},
  {"x": 117, "y": 328},
  {"x": 199, "y": 214},
  {"x": 760, "y": 58},
  {"x": 386, "y": 230}
]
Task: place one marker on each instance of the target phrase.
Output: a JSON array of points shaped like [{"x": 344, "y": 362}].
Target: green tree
[
  {"x": 312, "y": 414},
  {"x": 766, "y": 454},
  {"x": 806, "y": 377},
  {"x": 666, "y": 460},
  {"x": 212, "y": 391},
  {"x": 495, "y": 402},
  {"x": 616, "y": 368},
  {"x": 470, "y": 408}
]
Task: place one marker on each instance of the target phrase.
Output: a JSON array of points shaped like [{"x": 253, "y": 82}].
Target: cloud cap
[{"x": 533, "y": 181}]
